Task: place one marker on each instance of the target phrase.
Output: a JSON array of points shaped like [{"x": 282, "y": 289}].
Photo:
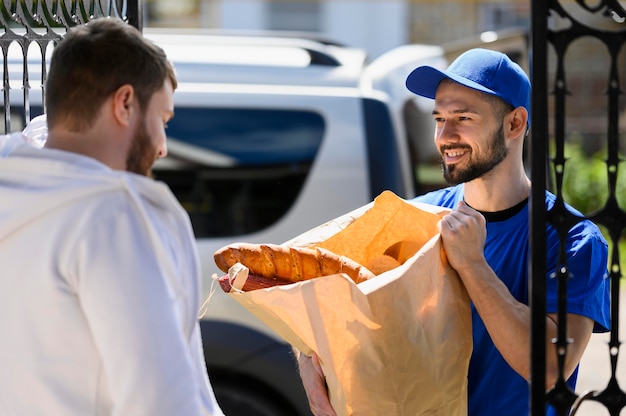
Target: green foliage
[
  {"x": 585, "y": 181},
  {"x": 586, "y": 186}
]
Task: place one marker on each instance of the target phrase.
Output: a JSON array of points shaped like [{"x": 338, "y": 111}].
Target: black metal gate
[
  {"x": 43, "y": 22},
  {"x": 544, "y": 35}
]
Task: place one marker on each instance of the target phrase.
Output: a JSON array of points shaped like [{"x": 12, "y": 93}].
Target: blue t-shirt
[{"x": 494, "y": 388}]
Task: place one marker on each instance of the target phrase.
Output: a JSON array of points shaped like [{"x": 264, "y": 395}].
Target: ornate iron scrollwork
[{"x": 606, "y": 6}]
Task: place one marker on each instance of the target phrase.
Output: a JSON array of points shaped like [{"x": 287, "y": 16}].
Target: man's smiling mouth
[{"x": 452, "y": 155}]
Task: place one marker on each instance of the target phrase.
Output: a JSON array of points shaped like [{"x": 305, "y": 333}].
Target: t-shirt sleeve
[{"x": 588, "y": 284}]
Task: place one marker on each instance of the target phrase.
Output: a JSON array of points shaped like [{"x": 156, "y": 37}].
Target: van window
[{"x": 238, "y": 171}]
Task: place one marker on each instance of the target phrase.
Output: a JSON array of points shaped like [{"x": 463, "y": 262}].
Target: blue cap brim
[{"x": 424, "y": 81}]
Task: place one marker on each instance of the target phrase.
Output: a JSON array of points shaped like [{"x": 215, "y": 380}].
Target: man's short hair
[{"x": 92, "y": 61}]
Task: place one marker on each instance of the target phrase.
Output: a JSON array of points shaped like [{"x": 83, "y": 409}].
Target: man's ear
[
  {"x": 517, "y": 122},
  {"x": 124, "y": 100}
]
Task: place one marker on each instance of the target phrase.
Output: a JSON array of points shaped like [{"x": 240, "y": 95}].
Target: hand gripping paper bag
[{"x": 396, "y": 344}]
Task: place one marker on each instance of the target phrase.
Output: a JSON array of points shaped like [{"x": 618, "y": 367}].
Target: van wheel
[{"x": 243, "y": 399}]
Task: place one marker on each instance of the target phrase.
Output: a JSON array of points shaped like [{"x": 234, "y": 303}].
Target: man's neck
[
  {"x": 96, "y": 146},
  {"x": 496, "y": 193}
]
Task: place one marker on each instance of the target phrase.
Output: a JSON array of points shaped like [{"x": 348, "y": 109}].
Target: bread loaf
[{"x": 291, "y": 264}]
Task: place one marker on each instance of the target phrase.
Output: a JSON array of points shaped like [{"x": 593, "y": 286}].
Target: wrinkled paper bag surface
[{"x": 397, "y": 344}]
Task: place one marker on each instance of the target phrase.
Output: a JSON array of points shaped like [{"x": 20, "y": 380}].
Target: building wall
[
  {"x": 439, "y": 22},
  {"x": 241, "y": 14},
  {"x": 376, "y": 26}
]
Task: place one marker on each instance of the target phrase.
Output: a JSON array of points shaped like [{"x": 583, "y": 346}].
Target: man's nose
[
  {"x": 446, "y": 132},
  {"x": 162, "y": 151}
]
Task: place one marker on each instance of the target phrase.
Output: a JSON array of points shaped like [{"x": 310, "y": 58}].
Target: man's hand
[
  {"x": 463, "y": 234},
  {"x": 314, "y": 384}
]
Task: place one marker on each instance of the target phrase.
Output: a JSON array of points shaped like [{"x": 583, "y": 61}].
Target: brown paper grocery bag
[{"x": 397, "y": 344}]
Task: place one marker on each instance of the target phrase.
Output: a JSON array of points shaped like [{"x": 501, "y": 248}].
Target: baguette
[{"x": 291, "y": 264}]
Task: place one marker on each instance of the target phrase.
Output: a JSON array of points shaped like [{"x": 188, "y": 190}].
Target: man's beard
[
  {"x": 498, "y": 151},
  {"x": 142, "y": 153}
]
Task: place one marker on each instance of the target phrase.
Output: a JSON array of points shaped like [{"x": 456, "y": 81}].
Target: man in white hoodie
[{"x": 100, "y": 283}]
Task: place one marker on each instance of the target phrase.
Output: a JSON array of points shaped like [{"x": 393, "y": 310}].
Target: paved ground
[{"x": 595, "y": 366}]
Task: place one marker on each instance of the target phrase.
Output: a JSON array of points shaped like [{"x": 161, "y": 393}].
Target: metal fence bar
[
  {"x": 44, "y": 22},
  {"x": 611, "y": 216},
  {"x": 538, "y": 152},
  {"x": 134, "y": 13}
]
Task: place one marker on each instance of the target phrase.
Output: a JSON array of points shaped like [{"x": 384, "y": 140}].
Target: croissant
[{"x": 291, "y": 264}]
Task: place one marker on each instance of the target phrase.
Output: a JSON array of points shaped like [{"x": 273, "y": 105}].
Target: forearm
[{"x": 508, "y": 323}]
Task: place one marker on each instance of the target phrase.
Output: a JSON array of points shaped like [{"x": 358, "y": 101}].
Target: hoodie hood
[
  {"x": 37, "y": 184},
  {"x": 35, "y": 181}
]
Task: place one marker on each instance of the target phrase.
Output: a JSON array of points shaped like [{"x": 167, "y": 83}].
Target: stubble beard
[
  {"x": 142, "y": 153},
  {"x": 475, "y": 168}
]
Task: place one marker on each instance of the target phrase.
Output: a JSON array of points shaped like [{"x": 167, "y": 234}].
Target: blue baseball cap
[{"x": 484, "y": 70}]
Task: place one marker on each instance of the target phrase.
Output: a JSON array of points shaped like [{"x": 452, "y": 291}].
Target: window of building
[
  {"x": 294, "y": 15},
  {"x": 502, "y": 15}
]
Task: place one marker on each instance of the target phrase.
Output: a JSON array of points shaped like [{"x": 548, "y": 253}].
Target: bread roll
[{"x": 382, "y": 263}]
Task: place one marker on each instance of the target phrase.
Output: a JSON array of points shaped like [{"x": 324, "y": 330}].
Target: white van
[{"x": 272, "y": 136}]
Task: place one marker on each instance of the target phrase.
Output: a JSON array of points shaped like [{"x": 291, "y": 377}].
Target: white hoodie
[{"x": 99, "y": 293}]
